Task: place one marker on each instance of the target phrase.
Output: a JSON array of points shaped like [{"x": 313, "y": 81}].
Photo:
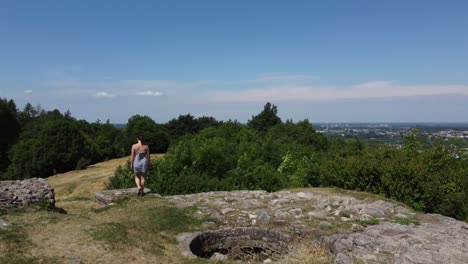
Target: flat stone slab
[{"x": 109, "y": 196}]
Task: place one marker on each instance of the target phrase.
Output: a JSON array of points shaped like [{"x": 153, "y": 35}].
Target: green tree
[
  {"x": 9, "y": 132},
  {"x": 52, "y": 145},
  {"x": 155, "y": 134},
  {"x": 265, "y": 119}
]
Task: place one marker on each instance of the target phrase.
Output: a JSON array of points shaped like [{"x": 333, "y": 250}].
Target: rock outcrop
[
  {"x": 19, "y": 194},
  {"x": 355, "y": 230}
]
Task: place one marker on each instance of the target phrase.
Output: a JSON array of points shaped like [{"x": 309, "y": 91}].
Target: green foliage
[
  {"x": 266, "y": 119},
  {"x": 51, "y": 142},
  {"x": 430, "y": 179},
  {"x": 188, "y": 125},
  {"x": 82, "y": 163},
  {"x": 53, "y": 146},
  {"x": 232, "y": 156},
  {"x": 155, "y": 135},
  {"x": 9, "y": 132},
  {"x": 123, "y": 178}
]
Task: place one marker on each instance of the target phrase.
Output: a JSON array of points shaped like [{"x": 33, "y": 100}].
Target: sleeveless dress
[{"x": 140, "y": 163}]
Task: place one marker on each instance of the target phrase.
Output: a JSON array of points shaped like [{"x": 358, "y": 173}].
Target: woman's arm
[{"x": 132, "y": 156}]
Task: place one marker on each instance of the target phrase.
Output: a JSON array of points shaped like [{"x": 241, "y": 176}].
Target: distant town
[{"x": 393, "y": 133}]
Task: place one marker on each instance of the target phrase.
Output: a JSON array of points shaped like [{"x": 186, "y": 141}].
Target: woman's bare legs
[
  {"x": 137, "y": 181},
  {"x": 140, "y": 182}
]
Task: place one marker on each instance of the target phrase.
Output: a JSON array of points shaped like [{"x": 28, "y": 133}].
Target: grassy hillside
[{"x": 137, "y": 230}]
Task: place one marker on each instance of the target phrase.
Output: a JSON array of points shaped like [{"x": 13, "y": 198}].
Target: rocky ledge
[
  {"x": 355, "y": 230},
  {"x": 107, "y": 197}
]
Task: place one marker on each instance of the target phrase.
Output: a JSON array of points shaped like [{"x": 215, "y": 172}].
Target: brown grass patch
[
  {"x": 310, "y": 251},
  {"x": 144, "y": 239}
]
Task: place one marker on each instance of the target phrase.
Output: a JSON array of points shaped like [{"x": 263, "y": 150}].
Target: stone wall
[{"x": 19, "y": 194}]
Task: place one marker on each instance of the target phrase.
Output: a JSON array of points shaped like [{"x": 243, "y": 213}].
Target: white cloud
[
  {"x": 28, "y": 91},
  {"x": 384, "y": 89},
  {"x": 163, "y": 84},
  {"x": 149, "y": 93},
  {"x": 123, "y": 87},
  {"x": 104, "y": 95}
]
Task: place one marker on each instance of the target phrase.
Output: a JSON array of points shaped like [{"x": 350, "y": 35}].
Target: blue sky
[{"x": 328, "y": 61}]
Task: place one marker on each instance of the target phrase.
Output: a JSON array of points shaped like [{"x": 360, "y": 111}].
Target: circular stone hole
[{"x": 244, "y": 244}]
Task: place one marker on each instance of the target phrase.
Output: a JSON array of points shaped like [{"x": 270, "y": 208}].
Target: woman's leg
[
  {"x": 142, "y": 183},
  {"x": 137, "y": 181}
]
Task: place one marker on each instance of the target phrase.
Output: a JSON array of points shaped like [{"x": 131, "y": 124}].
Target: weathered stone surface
[
  {"x": 18, "y": 194},
  {"x": 437, "y": 239},
  {"x": 264, "y": 217},
  {"x": 431, "y": 242}
]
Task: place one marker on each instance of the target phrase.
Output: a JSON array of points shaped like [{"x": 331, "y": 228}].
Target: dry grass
[
  {"x": 87, "y": 233},
  {"x": 84, "y": 183},
  {"x": 128, "y": 232},
  {"x": 310, "y": 251}
]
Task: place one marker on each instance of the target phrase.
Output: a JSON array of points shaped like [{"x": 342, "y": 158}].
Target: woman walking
[{"x": 139, "y": 163}]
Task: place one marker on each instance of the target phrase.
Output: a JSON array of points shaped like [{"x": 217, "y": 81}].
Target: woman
[{"x": 139, "y": 163}]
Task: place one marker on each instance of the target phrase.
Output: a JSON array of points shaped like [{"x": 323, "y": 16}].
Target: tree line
[
  {"x": 203, "y": 154},
  {"x": 35, "y": 142}
]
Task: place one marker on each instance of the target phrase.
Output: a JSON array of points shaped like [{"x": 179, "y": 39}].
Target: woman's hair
[{"x": 140, "y": 137}]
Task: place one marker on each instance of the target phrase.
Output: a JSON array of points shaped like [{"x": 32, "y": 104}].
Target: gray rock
[
  {"x": 343, "y": 259},
  {"x": 365, "y": 217},
  {"x": 375, "y": 212},
  {"x": 4, "y": 224},
  {"x": 296, "y": 212},
  {"x": 437, "y": 239},
  {"x": 225, "y": 211},
  {"x": 357, "y": 228},
  {"x": 109, "y": 196},
  {"x": 400, "y": 215},
  {"x": 264, "y": 217},
  {"x": 317, "y": 214},
  {"x": 21, "y": 193},
  {"x": 324, "y": 224}
]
